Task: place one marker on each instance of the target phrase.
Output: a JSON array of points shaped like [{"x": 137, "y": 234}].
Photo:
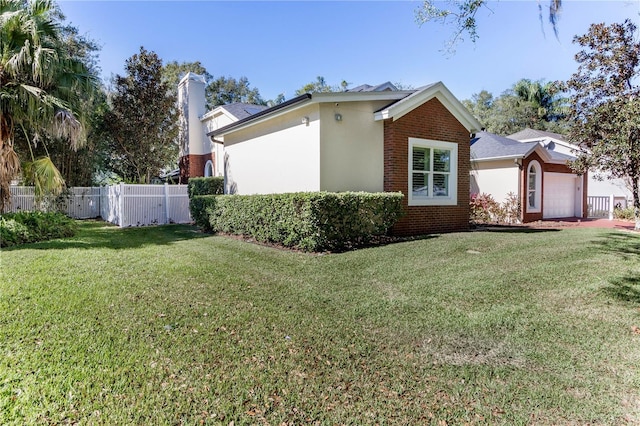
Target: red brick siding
[
  {"x": 524, "y": 189},
  {"x": 193, "y": 165},
  {"x": 433, "y": 121},
  {"x": 550, "y": 168}
]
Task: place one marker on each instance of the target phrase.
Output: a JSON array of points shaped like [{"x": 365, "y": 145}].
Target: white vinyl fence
[
  {"x": 123, "y": 205},
  {"x": 602, "y": 206}
]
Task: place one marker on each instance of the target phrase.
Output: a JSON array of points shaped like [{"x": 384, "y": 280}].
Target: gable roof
[
  {"x": 308, "y": 98},
  {"x": 528, "y": 134},
  {"x": 436, "y": 90},
  {"x": 368, "y": 88},
  {"x": 487, "y": 146},
  {"x": 235, "y": 111},
  {"x": 241, "y": 110},
  {"x": 400, "y": 103}
]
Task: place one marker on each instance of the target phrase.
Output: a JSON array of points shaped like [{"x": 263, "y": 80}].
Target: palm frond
[{"x": 44, "y": 176}]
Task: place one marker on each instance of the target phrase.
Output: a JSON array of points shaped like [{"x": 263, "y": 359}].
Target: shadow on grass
[
  {"x": 380, "y": 241},
  {"x": 522, "y": 229},
  {"x": 97, "y": 234},
  {"x": 624, "y": 289},
  {"x": 626, "y": 245}
]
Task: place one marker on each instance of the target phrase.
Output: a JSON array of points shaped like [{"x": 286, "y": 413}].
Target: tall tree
[
  {"x": 142, "y": 124},
  {"x": 41, "y": 91},
  {"x": 76, "y": 166},
  {"x": 462, "y": 15},
  {"x": 227, "y": 90},
  {"x": 321, "y": 86},
  {"x": 605, "y": 103},
  {"x": 173, "y": 71},
  {"x": 534, "y": 104}
]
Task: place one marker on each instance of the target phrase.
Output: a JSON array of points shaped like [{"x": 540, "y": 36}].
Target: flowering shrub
[{"x": 484, "y": 209}]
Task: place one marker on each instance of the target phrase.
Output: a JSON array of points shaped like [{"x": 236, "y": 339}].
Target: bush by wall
[
  {"x": 205, "y": 186},
  {"x": 201, "y": 206},
  {"x": 624, "y": 214},
  {"x": 311, "y": 221},
  {"x": 29, "y": 227},
  {"x": 484, "y": 209}
]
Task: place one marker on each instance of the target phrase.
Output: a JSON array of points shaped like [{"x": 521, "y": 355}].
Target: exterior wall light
[{"x": 338, "y": 117}]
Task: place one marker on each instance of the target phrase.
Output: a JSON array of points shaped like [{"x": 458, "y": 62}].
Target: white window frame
[
  {"x": 206, "y": 166},
  {"x": 431, "y": 200},
  {"x": 537, "y": 207}
]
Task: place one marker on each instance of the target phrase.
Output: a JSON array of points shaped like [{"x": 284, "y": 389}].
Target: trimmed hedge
[
  {"x": 205, "y": 186},
  {"x": 311, "y": 221},
  {"x": 30, "y": 227},
  {"x": 201, "y": 207}
]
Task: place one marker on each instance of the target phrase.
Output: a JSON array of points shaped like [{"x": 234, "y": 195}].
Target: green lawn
[{"x": 166, "y": 325}]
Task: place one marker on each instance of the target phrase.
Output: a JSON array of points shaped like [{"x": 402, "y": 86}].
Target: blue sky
[{"x": 280, "y": 46}]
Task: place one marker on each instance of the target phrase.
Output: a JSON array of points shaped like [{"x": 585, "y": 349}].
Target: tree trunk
[{"x": 636, "y": 202}]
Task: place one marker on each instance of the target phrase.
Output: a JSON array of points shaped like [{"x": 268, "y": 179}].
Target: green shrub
[
  {"x": 310, "y": 221},
  {"x": 205, "y": 186},
  {"x": 624, "y": 214},
  {"x": 200, "y": 206},
  {"x": 29, "y": 227}
]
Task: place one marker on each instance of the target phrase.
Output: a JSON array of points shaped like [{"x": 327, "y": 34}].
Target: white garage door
[{"x": 559, "y": 196}]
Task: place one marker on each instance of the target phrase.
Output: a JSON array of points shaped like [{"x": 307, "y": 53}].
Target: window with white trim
[
  {"x": 534, "y": 178},
  {"x": 433, "y": 173},
  {"x": 208, "y": 169}
]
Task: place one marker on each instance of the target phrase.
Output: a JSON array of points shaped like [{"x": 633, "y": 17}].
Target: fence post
[
  {"x": 121, "y": 206},
  {"x": 611, "y": 206},
  {"x": 166, "y": 202}
]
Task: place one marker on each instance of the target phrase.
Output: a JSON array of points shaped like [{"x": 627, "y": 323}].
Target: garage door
[{"x": 559, "y": 196}]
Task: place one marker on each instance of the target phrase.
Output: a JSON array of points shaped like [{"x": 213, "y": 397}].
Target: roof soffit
[{"x": 438, "y": 91}]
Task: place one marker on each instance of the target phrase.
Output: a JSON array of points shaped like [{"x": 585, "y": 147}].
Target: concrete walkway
[{"x": 587, "y": 223}]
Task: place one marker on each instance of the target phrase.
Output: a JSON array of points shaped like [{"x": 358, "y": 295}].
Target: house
[
  {"x": 536, "y": 172},
  {"x": 371, "y": 138},
  {"x": 599, "y": 185},
  {"x": 199, "y": 156}
]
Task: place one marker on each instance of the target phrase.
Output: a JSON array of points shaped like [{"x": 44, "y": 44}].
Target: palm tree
[
  {"x": 40, "y": 88},
  {"x": 551, "y": 107}
]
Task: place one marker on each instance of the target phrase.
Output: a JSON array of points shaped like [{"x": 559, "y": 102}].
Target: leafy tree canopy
[
  {"x": 320, "y": 86},
  {"x": 142, "y": 126},
  {"x": 173, "y": 71},
  {"x": 533, "y": 104},
  {"x": 605, "y": 103},
  {"x": 461, "y": 14},
  {"x": 227, "y": 90},
  {"x": 44, "y": 84}
]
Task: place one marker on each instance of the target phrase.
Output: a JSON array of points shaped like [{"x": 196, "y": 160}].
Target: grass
[{"x": 166, "y": 325}]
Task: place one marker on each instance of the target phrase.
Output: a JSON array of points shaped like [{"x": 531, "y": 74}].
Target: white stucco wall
[
  {"x": 352, "y": 149},
  {"x": 497, "y": 178},
  {"x": 212, "y": 121},
  {"x": 191, "y": 90},
  {"x": 282, "y": 155}
]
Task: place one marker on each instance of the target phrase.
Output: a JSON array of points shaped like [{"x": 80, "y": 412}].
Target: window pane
[
  {"x": 420, "y": 185},
  {"x": 441, "y": 160},
  {"x": 421, "y": 160},
  {"x": 440, "y": 185},
  {"x": 532, "y": 181},
  {"x": 532, "y": 199}
]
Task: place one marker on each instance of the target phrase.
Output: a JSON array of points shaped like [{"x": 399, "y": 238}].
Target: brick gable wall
[
  {"x": 193, "y": 165},
  {"x": 432, "y": 121},
  {"x": 546, "y": 168}
]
